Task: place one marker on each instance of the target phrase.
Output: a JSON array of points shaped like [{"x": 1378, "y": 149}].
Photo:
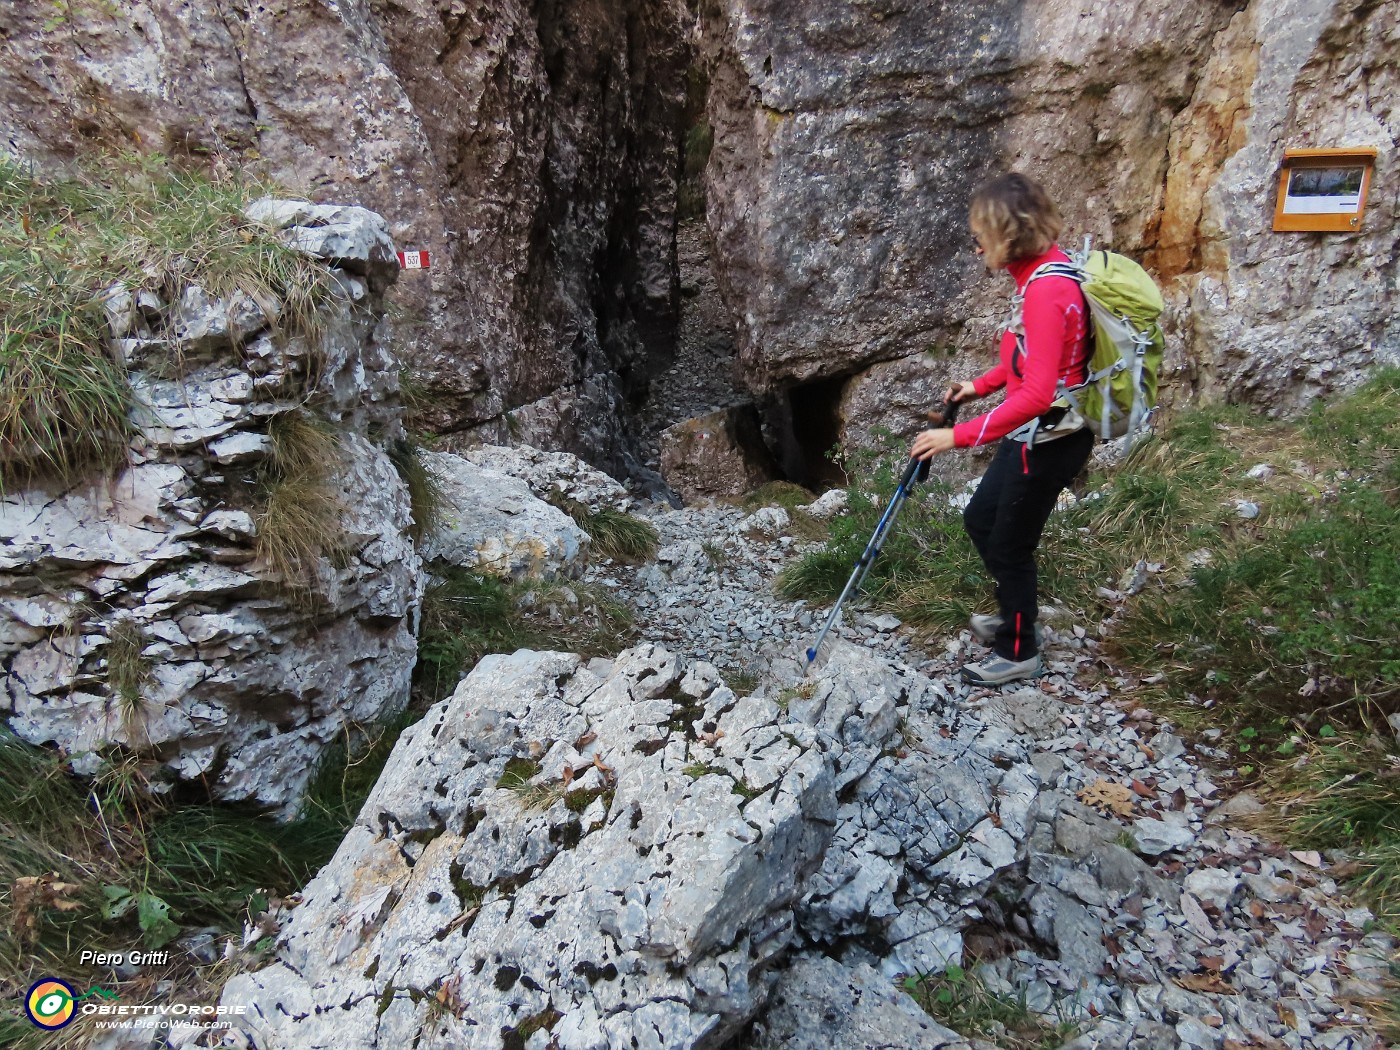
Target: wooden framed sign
[{"x": 1324, "y": 189}]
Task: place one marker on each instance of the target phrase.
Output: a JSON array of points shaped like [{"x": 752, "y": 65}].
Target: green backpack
[{"x": 1124, "y": 304}]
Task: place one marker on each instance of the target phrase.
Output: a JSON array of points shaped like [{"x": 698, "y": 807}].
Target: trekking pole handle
[{"x": 948, "y": 416}]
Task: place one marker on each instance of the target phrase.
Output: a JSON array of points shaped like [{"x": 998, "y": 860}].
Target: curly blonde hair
[{"x": 1013, "y": 218}]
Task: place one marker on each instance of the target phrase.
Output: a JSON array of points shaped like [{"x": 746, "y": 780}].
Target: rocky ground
[{"x": 1143, "y": 909}]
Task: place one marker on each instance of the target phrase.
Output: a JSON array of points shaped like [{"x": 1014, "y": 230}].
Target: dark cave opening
[{"x": 804, "y": 426}]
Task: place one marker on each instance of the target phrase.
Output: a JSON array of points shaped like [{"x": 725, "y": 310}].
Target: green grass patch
[
  {"x": 142, "y": 224},
  {"x": 425, "y": 495},
  {"x": 615, "y": 534},
  {"x": 1171, "y": 497},
  {"x": 1297, "y": 619},
  {"x": 928, "y": 571},
  {"x": 466, "y": 616},
  {"x": 102, "y": 862},
  {"x": 791, "y": 498},
  {"x": 1343, "y": 793},
  {"x": 783, "y": 494},
  {"x": 961, "y": 1000},
  {"x": 518, "y": 774}
]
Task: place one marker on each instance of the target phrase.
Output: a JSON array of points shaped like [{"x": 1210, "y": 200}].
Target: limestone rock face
[
  {"x": 821, "y": 1004},
  {"x": 529, "y": 149},
  {"x": 492, "y": 523},
  {"x": 1281, "y": 318},
  {"x": 719, "y": 454},
  {"x": 920, "y": 833},
  {"x": 643, "y": 903},
  {"x": 624, "y": 852},
  {"x": 136, "y": 611},
  {"x": 848, "y": 139},
  {"x": 553, "y": 474}
]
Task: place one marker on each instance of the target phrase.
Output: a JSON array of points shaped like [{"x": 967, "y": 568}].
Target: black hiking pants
[{"x": 1005, "y": 519}]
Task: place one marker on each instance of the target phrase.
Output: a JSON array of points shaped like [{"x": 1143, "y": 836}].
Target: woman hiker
[{"x": 1042, "y": 447}]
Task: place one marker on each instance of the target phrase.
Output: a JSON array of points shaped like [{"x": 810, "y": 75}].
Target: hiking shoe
[
  {"x": 984, "y": 628},
  {"x": 998, "y": 670}
]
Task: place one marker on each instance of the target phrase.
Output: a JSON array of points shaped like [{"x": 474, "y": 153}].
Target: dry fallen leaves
[
  {"x": 1141, "y": 790},
  {"x": 31, "y": 895},
  {"x": 1106, "y": 796},
  {"x": 449, "y": 995},
  {"x": 1205, "y": 982}
]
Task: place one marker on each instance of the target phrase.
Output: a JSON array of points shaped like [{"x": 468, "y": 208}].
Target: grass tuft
[
  {"x": 127, "y": 668},
  {"x": 615, "y": 534},
  {"x": 961, "y": 1000},
  {"x": 425, "y": 494},
  {"x": 299, "y": 523}
]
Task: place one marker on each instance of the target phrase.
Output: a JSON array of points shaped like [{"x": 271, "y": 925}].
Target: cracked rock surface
[
  {"x": 1162, "y": 922},
  {"x": 619, "y": 851}
]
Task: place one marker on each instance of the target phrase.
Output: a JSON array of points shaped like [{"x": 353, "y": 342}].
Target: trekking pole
[{"x": 916, "y": 471}]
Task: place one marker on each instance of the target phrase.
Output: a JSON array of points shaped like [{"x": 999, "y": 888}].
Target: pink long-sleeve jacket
[{"x": 1053, "y": 316}]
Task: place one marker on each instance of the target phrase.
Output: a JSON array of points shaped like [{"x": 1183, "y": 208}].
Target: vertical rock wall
[
  {"x": 1281, "y": 318},
  {"x": 849, "y": 137},
  {"x": 530, "y": 147}
]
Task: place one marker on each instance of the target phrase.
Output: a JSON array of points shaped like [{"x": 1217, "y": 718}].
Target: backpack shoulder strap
[
  {"x": 1057, "y": 269},
  {"x": 1075, "y": 272}
]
